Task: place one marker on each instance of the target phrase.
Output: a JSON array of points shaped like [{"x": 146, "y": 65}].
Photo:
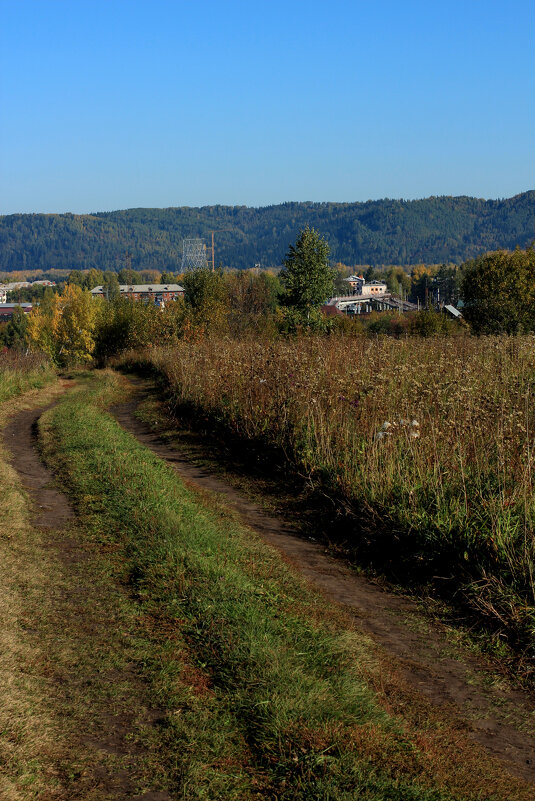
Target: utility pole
[{"x": 213, "y": 254}]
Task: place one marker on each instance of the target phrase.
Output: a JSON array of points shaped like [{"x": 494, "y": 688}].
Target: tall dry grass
[
  {"x": 20, "y": 372},
  {"x": 449, "y": 495}
]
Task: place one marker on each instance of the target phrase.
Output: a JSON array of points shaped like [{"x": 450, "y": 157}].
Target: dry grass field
[{"x": 428, "y": 443}]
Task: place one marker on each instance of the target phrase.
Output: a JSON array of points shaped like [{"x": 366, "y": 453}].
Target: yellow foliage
[
  {"x": 65, "y": 327},
  {"x": 423, "y": 269}
]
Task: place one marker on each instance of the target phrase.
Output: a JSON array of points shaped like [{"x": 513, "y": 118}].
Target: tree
[
  {"x": 206, "y": 298},
  {"x": 110, "y": 285},
  {"x": 128, "y": 276},
  {"x": 373, "y": 274},
  {"x": 446, "y": 284},
  {"x": 307, "y": 277},
  {"x": 93, "y": 278},
  {"x": 124, "y": 323},
  {"x": 398, "y": 281},
  {"x": 499, "y": 292},
  {"x": 64, "y": 327},
  {"x": 341, "y": 272},
  {"x": 252, "y": 300},
  {"x": 16, "y": 332},
  {"x": 421, "y": 283}
]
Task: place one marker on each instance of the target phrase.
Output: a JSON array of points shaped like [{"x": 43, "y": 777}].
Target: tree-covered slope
[{"x": 433, "y": 230}]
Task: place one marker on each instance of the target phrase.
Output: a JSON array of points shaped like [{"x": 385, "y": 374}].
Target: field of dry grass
[{"x": 428, "y": 442}]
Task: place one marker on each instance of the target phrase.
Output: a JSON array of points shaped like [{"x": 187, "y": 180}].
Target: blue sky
[{"x": 123, "y": 103}]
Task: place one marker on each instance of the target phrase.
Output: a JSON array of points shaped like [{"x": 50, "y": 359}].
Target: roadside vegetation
[
  {"x": 426, "y": 445},
  {"x": 21, "y": 372},
  {"x": 267, "y": 692}
]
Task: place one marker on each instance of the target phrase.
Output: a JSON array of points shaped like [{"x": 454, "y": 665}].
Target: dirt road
[
  {"x": 501, "y": 719},
  {"x": 86, "y": 669},
  {"x": 460, "y": 684}
]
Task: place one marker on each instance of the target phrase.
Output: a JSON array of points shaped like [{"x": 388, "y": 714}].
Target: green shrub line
[{"x": 287, "y": 678}]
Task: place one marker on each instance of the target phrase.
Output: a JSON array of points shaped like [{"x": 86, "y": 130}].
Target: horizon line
[{"x": 270, "y": 205}]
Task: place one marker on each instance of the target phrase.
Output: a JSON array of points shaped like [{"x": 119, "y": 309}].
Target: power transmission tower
[{"x": 193, "y": 254}]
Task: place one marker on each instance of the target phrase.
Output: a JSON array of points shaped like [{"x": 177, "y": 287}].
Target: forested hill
[{"x": 434, "y": 230}]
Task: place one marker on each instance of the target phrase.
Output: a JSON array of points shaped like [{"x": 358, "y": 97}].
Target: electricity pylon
[{"x": 193, "y": 254}]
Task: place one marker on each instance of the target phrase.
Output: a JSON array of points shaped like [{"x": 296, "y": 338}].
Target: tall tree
[{"x": 307, "y": 277}]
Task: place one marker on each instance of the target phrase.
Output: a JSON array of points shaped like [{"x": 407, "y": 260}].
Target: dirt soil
[
  {"x": 51, "y": 507},
  {"x": 500, "y": 718},
  {"x": 105, "y": 742}
]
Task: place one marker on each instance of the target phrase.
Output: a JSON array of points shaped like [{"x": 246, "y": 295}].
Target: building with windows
[
  {"x": 358, "y": 286},
  {"x": 160, "y": 294},
  {"x": 7, "y": 309}
]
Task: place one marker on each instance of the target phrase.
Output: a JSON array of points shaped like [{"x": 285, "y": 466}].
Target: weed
[
  {"x": 428, "y": 443},
  {"x": 20, "y": 372}
]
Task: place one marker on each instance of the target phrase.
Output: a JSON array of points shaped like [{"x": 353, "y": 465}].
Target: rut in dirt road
[
  {"x": 88, "y": 626},
  {"x": 424, "y": 658},
  {"x": 51, "y": 507}
]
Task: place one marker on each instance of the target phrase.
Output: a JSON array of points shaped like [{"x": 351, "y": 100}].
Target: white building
[{"x": 358, "y": 286}]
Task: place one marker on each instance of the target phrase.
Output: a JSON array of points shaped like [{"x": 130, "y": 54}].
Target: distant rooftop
[
  {"x": 367, "y": 283},
  {"x": 129, "y": 288}
]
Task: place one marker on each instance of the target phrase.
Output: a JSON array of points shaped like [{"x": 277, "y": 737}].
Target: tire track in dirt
[
  {"x": 423, "y": 659},
  {"x": 51, "y": 508},
  {"x": 107, "y": 733}
]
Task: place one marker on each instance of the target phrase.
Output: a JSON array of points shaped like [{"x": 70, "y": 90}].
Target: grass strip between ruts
[{"x": 289, "y": 714}]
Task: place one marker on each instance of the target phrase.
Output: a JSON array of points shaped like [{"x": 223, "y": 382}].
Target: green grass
[{"x": 266, "y": 688}]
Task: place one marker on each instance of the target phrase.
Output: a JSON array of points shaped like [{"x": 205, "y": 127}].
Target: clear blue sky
[{"x": 121, "y": 103}]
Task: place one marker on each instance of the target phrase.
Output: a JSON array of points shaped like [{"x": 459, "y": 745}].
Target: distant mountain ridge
[{"x": 432, "y": 230}]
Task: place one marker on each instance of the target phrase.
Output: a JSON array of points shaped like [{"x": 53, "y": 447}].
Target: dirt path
[
  {"x": 96, "y": 697},
  {"x": 500, "y": 719},
  {"x": 51, "y": 508}
]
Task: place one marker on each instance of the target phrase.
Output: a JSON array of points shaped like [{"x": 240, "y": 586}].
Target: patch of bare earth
[
  {"x": 420, "y": 659},
  {"x": 72, "y": 692}
]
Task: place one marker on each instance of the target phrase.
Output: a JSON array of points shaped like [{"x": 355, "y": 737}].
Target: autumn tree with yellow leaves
[{"x": 64, "y": 326}]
